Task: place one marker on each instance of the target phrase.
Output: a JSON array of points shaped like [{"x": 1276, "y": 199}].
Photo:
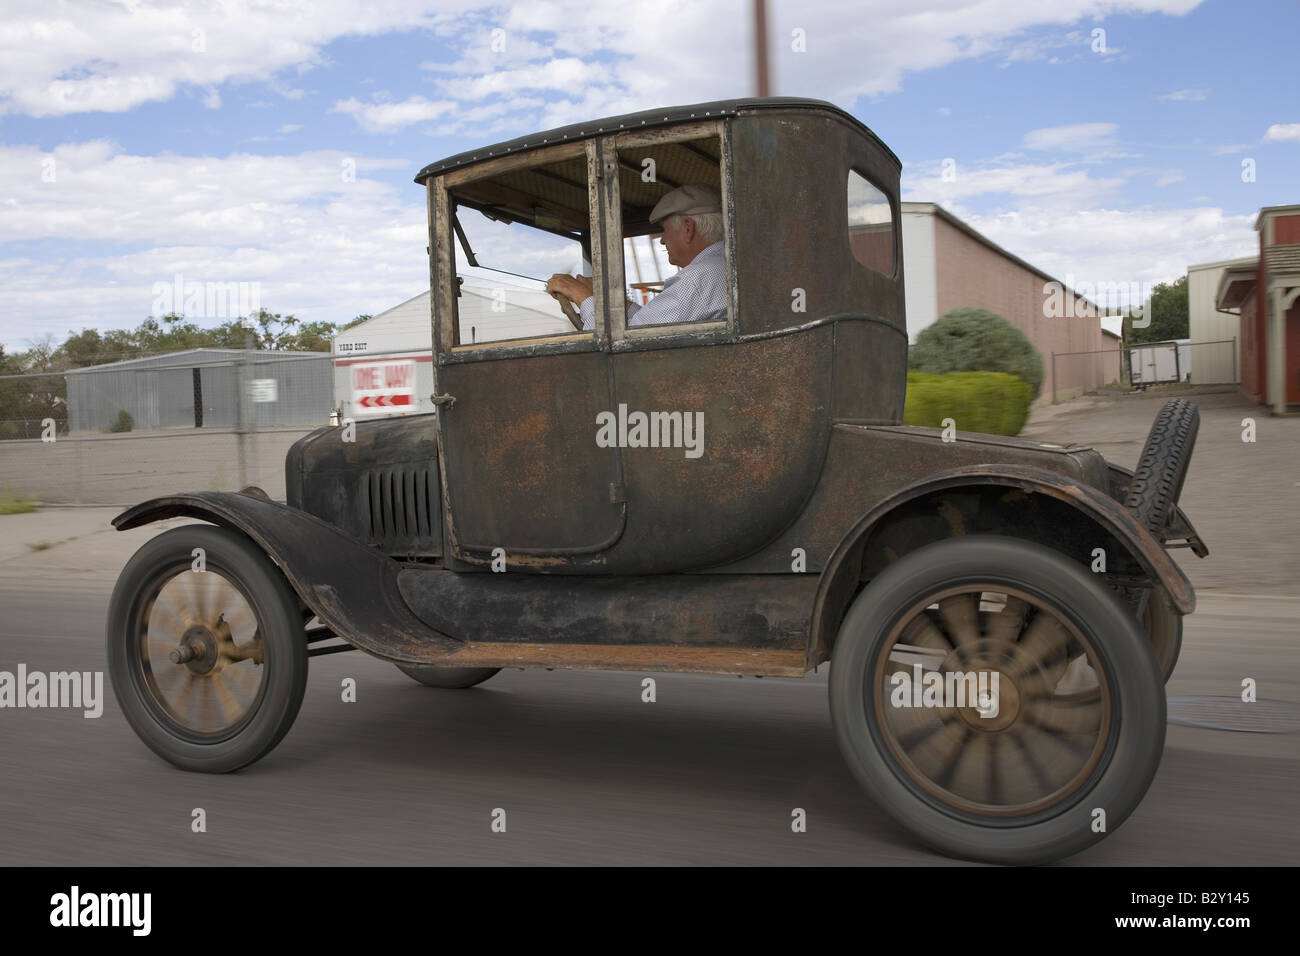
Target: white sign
[
  {"x": 262, "y": 389},
  {"x": 384, "y": 388}
]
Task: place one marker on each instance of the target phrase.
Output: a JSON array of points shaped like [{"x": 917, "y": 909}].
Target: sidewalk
[
  {"x": 56, "y": 549},
  {"x": 1243, "y": 498}
]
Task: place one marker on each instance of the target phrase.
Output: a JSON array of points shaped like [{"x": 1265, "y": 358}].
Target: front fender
[
  {"x": 351, "y": 587},
  {"x": 839, "y": 579}
]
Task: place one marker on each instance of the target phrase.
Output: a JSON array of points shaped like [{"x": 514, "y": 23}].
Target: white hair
[{"x": 708, "y": 225}]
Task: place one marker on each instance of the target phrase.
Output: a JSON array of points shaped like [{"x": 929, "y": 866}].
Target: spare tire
[{"x": 1158, "y": 479}]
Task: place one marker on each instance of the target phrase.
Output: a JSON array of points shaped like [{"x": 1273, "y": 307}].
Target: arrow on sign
[{"x": 383, "y": 401}]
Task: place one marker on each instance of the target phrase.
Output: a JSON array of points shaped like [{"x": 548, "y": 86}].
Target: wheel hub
[{"x": 199, "y": 648}]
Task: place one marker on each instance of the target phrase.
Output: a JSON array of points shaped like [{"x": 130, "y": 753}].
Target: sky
[{"x": 275, "y": 143}]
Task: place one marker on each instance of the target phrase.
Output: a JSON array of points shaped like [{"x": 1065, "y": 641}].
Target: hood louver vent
[{"x": 399, "y": 509}]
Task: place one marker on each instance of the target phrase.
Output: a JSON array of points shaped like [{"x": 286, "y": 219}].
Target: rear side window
[{"x": 871, "y": 225}]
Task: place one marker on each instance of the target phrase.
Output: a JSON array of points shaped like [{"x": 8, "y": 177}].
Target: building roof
[
  {"x": 946, "y": 216},
  {"x": 645, "y": 119},
  {"x": 1236, "y": 285},
  {"x": 1225, "y": 264},
  {"x": 1294, "y": 209},
  {"x": 189, "y": 358}
]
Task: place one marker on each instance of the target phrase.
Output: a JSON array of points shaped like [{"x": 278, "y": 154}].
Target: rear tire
[
  {"x": 1164, "y": 626},
  {"x": 1079, "y": 719},
  {"x": 448, "y": 677}
]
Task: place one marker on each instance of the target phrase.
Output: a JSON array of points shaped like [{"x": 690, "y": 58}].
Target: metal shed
[{"x": 198, "y": 388}]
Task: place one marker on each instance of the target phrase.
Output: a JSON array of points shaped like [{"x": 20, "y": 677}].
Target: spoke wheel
[
  {"x": 201, "y": 654},
  {"x": 209, "y": 664},
  {"x": 990, "y": 703},
  {"x": 991, "y": 696}
]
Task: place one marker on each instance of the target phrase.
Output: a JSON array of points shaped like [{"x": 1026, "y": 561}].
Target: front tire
[
  {"x": 206, "y": 651},
  {"x": 1074, "y": 722}
]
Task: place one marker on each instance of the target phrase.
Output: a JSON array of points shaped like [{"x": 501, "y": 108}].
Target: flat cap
[{"x": 693, "y": 200}]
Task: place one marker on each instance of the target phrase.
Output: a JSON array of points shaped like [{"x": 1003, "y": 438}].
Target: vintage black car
[{"x": 999, "y": 615}]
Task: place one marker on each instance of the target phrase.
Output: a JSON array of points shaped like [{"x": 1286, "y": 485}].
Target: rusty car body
[{"x": 811, "y": 527}]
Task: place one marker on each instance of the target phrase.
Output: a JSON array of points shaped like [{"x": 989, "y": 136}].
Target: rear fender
[
  {"x": 1088, "y": 508},
  {"x": 351, "y": 587}
]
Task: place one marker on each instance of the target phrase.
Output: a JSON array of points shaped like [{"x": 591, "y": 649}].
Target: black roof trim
[{"x": 646, "y": 119}]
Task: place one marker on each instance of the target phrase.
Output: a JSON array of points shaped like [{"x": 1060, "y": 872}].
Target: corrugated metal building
[{"x": 198, "y": 388}]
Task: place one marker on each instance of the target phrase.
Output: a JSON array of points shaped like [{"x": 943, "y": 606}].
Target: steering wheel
[{"x": 570, "y": 313}]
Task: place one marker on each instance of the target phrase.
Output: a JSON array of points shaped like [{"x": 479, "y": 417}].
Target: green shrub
[
  {"x": 14, "y": 503},
  {"x": 123, "y": 423},
  {"x": 976, "y": 340},
  {"x": 991, "y": 403}
]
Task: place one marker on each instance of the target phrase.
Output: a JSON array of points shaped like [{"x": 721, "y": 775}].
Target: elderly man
[{"x": 692, "y": 224}]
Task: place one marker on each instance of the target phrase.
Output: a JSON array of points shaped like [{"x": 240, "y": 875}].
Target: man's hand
[{"x": 574, "y": 288}]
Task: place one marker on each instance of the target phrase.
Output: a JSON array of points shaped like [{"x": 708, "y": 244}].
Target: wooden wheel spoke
[
  {"x": 1004, "y": 626},
  {"x": 231, "y": 709},
  {"x": 1045, "y": 646},
  {"x": 960, "y": 614},
  {"x": 169, "y": 612},
  {"x": 922, "y": 632},
  {"x": 953, "y": 758},
  {"x": 1065, "y": 715}
]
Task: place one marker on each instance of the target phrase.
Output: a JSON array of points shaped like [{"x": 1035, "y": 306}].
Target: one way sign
[{"x": 384, "y": 387}]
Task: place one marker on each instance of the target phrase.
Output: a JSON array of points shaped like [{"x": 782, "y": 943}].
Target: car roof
[{"x": 645, "y": 119}]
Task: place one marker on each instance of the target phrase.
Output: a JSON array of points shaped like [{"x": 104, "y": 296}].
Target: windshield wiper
[{"x": 472, "y": 260}]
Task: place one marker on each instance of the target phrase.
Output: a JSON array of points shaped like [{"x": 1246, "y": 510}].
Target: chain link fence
[
  {"x": 1144, "y": 366},
  {"x": 207, "y": 420}
]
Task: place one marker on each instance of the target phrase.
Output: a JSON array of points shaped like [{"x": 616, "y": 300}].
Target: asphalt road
[{"x": 586, "y": 772}]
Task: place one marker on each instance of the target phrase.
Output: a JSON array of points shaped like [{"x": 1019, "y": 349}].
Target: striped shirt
[{"x": 698, "y": 293}]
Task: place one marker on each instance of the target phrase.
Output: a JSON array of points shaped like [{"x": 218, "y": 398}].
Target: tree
[
  {"x": 976, "y": 340},
  {"x": 1168, "y": 312},
  {"x": 26, "y": 402}
]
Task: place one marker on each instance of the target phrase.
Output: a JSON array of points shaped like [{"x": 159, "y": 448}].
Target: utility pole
[{"x": 762, "y": 76}]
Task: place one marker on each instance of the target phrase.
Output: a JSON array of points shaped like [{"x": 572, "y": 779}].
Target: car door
[{"x": 519, "y": 388}]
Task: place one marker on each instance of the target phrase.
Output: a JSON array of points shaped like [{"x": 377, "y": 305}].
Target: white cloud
[
  {"x": 320, "y": 246},
  {"x": 1061, "y": 219},
  {"x": 1099, "y": 244},
  {"x": 1186, "y": 96},
  {"x": 381, "y": 117},
  {"x": 57, "y": 58},
  {"x": 289, "y": 128},
  {"x": 1073, "y": 137},
  {"x": 1283, "y": 133},
  {"x": 1053, "y": 183}
]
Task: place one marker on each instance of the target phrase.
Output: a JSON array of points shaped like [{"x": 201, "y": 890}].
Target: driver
[{"x": 692, "y": 235}]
